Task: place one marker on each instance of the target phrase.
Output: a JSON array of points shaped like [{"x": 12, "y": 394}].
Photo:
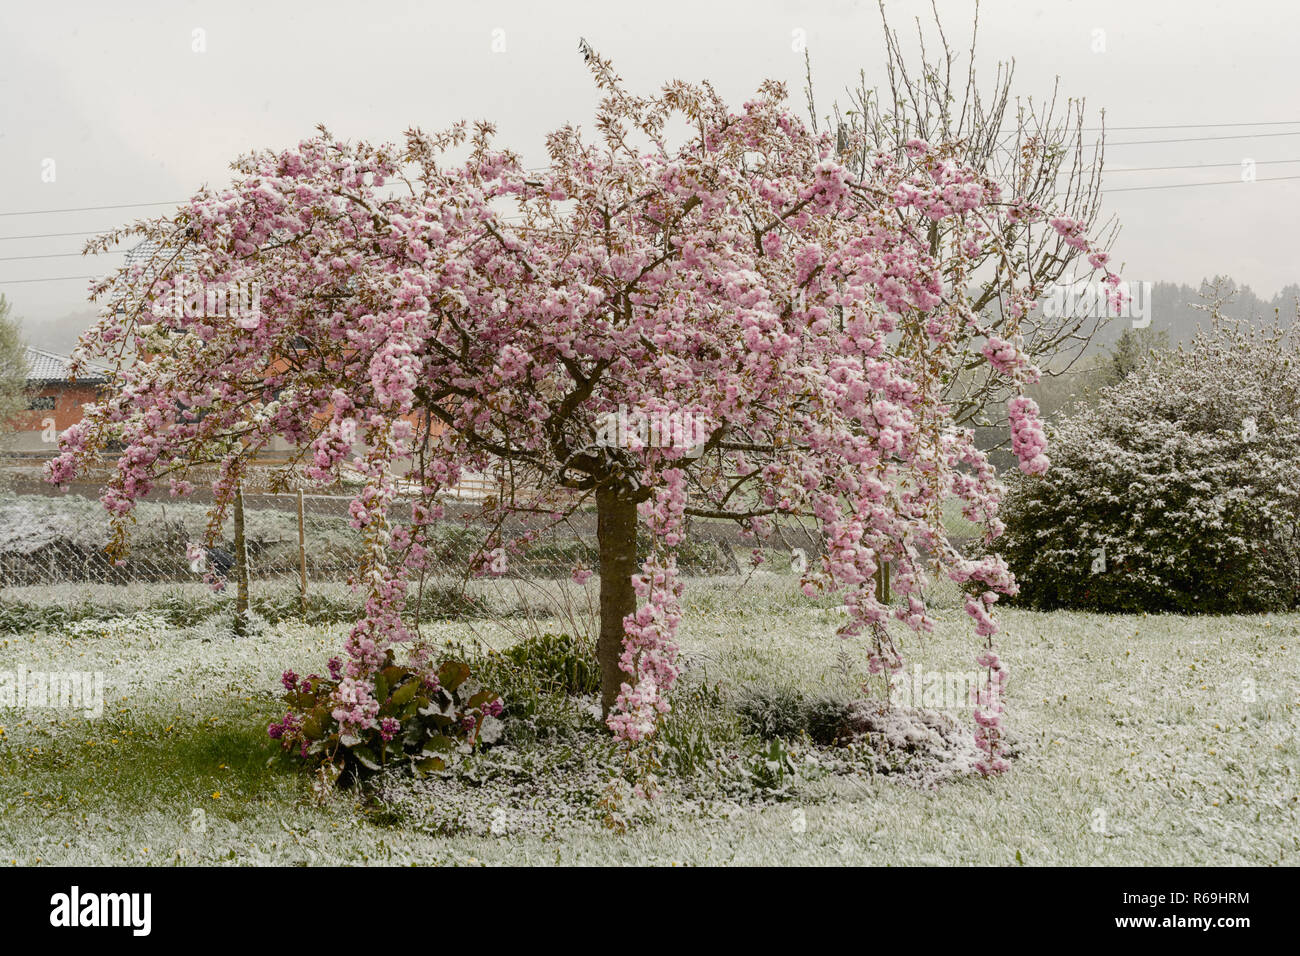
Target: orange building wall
[
  {"x": 30, "y": 429},
  {"x": 68, "y": 400}
]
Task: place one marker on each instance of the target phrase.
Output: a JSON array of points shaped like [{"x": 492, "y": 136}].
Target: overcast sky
[{"x": 117, "y": 96}]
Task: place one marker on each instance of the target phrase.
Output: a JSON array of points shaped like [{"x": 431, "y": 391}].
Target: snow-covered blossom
[{"x": 1028, "y": 440}]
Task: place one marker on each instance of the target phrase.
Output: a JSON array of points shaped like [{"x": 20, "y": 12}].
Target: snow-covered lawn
[{"x": 1140, "y": 740}]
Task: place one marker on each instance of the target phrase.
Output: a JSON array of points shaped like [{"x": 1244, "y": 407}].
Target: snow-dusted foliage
[{"x": 1178, "y": 491}]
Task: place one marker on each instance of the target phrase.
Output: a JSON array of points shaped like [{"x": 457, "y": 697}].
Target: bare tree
[{"x": 1039, "y": 151}]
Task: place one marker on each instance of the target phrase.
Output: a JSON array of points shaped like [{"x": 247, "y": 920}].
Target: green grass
[
  {"x": 956, "y": 524},
  {"x": 1179, "y": 733}
]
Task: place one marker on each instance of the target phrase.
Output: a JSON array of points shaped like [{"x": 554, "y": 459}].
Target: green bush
[
  {"x": 18, "y": 617},
  {"x": 785, "y": 713},
  {"x": 700, "y": 733},
  {"x": 1177, "y": 491},
  {"x": 772, "y": 768},
  {"x": 560, "y": 663}
]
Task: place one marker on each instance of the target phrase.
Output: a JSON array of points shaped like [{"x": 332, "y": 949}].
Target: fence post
[
  {"x": 302, "y": 557},
  {"x": 241, "y": 565}
]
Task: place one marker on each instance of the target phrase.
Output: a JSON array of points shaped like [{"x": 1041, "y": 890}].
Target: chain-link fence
[{"x": 301, "y": 549}]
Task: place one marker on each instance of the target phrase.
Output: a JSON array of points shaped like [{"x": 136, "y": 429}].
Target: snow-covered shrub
[
  {"x": 1179, "y": 490},
  {"x": 140, "y": 624},
  {"x": 787, "y": 713}
]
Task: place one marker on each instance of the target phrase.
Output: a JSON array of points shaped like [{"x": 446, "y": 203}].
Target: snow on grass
[{"x": 1140, "y": 740}]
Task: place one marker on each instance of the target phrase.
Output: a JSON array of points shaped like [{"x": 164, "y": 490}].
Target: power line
[
  {"x": 1217, "y": 182},
  {"x": 1122, "y": 189},
  {"x": 50, "y": 279},
  {"x": 1139, "y": 142},
  {"x": 1201, "y": 139},
  {"x": 56, "y": 235},
  {"x": 62, "y": 255},
  {"x": 123, "y": 205},
  {"x": 1148, "y": 169},
  {"x": 1136, "y": 142},
  {"x": 1191, "y": 139},
  {"x": 1098, "y": 129}
]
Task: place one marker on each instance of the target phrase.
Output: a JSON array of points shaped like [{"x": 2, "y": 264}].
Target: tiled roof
[
  {"x": 142, "y": 251},
  {"x": 152, "y": 252},
  {"x": 47, "y": 367}
]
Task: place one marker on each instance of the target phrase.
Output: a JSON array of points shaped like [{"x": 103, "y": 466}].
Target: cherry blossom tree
[{"x": 454, "y": 311}]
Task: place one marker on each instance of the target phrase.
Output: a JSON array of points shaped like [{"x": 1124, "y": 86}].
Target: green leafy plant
[
  {"x": 698, "y": 733},
  {"x": 560, "y": 663},
  {"x": 424, "y": 721},
  {"x": 772, "y": 768},
  {"x": 786, "y": 713}
]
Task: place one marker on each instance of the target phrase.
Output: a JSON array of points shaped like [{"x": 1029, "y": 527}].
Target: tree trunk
[{"x": 616, "y": 521}]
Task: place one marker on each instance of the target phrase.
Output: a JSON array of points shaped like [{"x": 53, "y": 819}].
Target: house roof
[
  {"x": 51, "y": 367},
  {"x": 143, "y": 251},
  {"x": 148, "y": 252}
]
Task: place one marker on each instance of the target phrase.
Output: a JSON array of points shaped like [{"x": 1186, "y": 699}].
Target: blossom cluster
[
  {"x": 989, "y": 708},
  {"x": 1028, "y": 439},
  {"x": 650, "y": 649}
]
